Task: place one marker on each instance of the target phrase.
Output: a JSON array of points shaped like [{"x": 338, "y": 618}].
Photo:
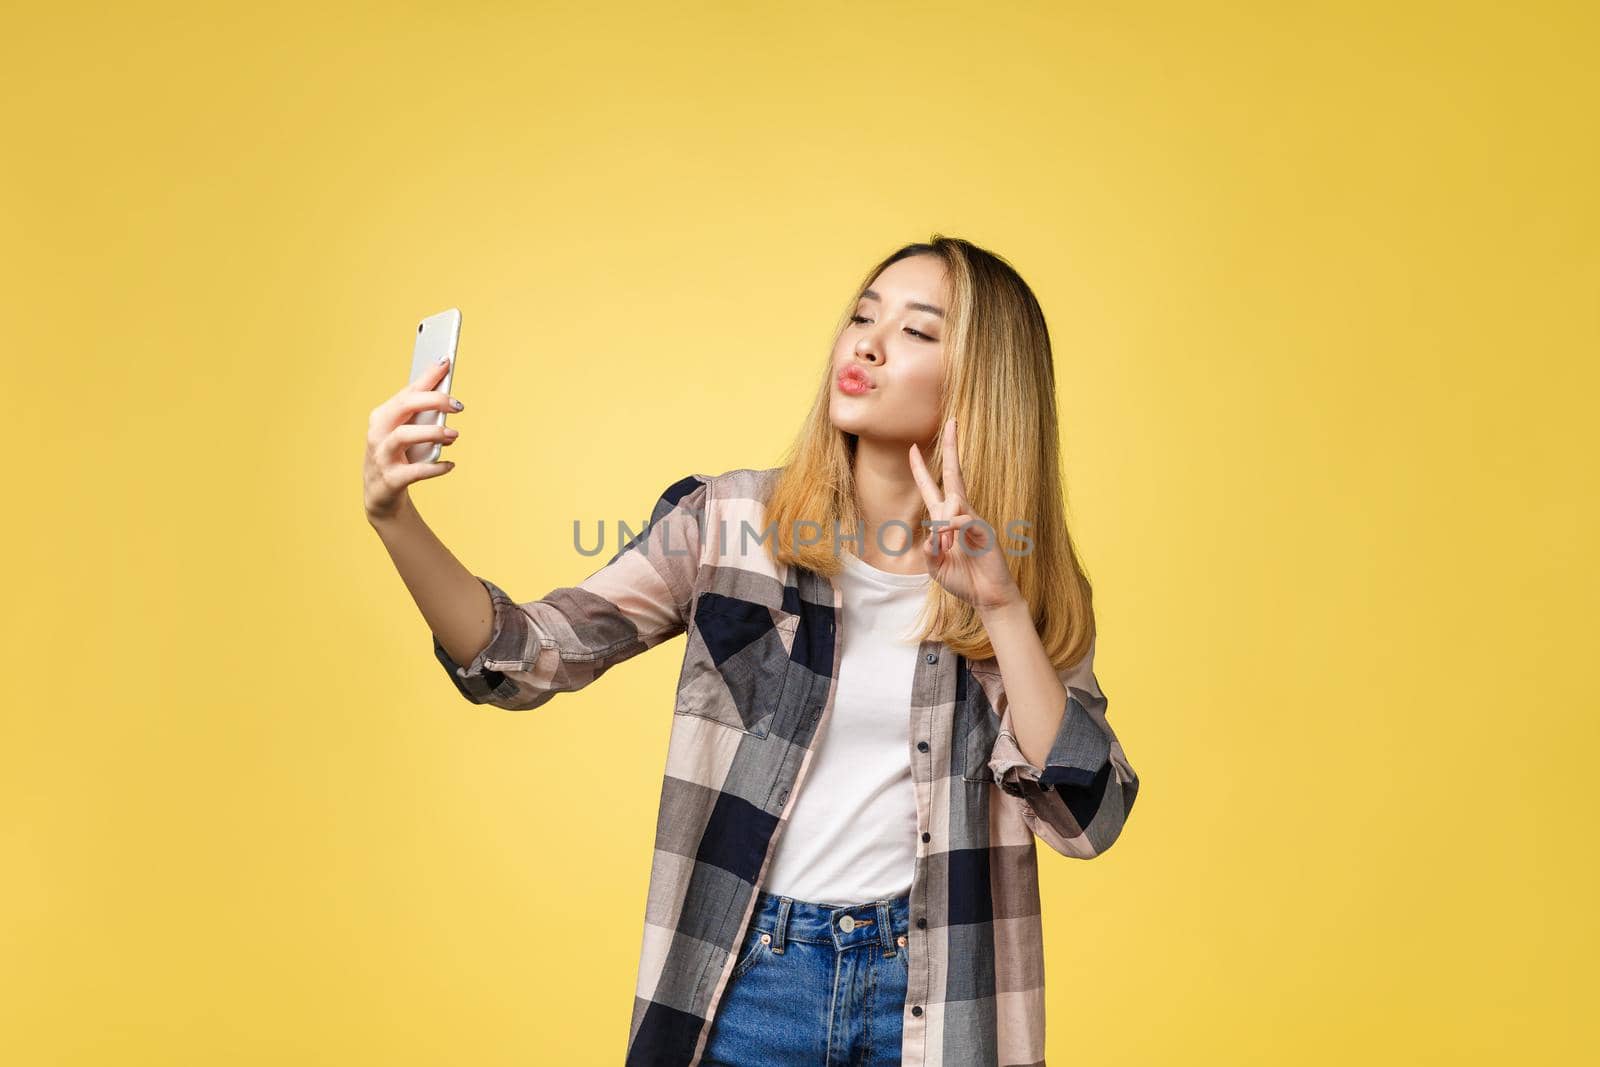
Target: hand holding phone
[
  {"x": 406, "y": 433},
  {"x": 437, "y": 336}
]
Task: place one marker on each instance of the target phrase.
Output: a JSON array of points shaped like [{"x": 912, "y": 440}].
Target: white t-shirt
[{"x": 852, "y": 831}]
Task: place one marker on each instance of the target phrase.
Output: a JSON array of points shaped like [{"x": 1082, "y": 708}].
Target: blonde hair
[{"x": 999, "y": 383}]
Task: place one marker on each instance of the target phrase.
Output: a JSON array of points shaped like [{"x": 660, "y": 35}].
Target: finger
[
  {"x": 973, "y": 533},
  {"x": 932, "y": 541},
  {"x": 410, "y": 402},
  {"x": 407, "y": 473},
  {"x": 936, "y": 525},
  {"x": 432, "y": 376},
  {"x": 403, "y": 404},
  {"x": 952, "y": 462},
  {"x": 394, "y": 444},
  {"x": 924, "y": 479}
]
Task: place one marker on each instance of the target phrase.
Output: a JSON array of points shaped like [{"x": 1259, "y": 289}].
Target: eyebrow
[{"x": 912, "y": 304}]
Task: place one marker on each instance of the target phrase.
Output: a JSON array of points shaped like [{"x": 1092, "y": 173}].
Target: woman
[{"x": 887, "y": 691}]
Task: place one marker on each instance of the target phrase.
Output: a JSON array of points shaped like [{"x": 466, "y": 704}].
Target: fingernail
[
  {"x": 444, "y": 357},
  {"x": 456, "y": 405}
]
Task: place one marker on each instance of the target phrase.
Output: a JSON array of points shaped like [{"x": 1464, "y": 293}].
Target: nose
[{"x": 864, "y": 351}]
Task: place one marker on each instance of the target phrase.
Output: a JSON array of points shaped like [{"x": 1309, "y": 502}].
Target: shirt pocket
[{"x": 736, "y": 661}]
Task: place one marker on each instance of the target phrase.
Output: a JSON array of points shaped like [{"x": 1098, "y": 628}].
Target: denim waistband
[{"x": 788, "y": 919}]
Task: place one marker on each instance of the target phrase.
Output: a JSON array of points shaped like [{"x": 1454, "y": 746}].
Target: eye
[{"x": 908, "y": 329}]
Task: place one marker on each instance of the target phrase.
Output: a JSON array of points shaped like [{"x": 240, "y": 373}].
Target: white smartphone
[{"x": 437, "y": 336}]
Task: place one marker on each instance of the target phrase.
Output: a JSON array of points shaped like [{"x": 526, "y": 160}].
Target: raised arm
[
  {"x": 572, "y": 635},
  {"x": 452, "y": 601},
  {"x": 518, "y": 656}
]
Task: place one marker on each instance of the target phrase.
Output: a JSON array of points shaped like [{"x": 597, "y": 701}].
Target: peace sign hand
[{"x": 962, "y": 553}]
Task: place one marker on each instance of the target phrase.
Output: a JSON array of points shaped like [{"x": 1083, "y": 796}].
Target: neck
[{"x": 886, "y": 492}]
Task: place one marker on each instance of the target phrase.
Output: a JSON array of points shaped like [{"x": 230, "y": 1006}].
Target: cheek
[
  {"x": 924, "y": 388},
  {"x": 925, "y": 378},
  {"x": 913, "y": 413}
]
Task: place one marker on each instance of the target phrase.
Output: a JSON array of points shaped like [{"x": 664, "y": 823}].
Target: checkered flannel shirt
[{"x": 755, "y": 693}]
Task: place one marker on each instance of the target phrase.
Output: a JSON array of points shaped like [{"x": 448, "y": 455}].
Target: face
[{"x": 891, "y": 356}]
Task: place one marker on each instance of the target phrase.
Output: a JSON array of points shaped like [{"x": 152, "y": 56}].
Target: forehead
[{"x": 920, "y": 278}]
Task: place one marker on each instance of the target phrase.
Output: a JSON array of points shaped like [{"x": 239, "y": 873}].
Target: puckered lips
[{"x": 854, "y": 381}]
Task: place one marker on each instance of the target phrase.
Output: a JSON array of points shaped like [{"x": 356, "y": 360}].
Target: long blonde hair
[{"x": 999, "y": 383}]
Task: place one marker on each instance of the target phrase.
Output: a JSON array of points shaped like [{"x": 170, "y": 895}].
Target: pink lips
[{"x": 854, "y": 381}]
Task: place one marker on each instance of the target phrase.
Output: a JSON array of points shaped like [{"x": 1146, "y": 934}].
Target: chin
[{"x": 843, "y": 423}]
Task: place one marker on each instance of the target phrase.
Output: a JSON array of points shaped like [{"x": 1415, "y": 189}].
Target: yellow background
[{"x": 1323, "y": 286}]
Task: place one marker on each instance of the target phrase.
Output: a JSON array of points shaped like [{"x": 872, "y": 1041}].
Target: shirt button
[
  {"x": 922, "y": 746},
  {"x": 926, "y": 836},
  {"x": 847, "y": 924},
  {"x": 921, "y": 922},
  {"x": 933, "y": 657},
  {"x": 916, "y": 1009},
  {"x": 783, "y": 797}
]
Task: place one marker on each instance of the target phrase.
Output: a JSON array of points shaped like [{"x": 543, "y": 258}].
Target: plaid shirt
[{"x": 755, "y": 693}]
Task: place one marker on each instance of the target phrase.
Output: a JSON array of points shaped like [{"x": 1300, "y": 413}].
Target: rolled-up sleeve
[
  {"x": 1078, "y": 802},
  {"x": 572, "y": 635}
]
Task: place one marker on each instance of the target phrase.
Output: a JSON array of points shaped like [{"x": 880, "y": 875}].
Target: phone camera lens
[{"x": 419, "y": 327}]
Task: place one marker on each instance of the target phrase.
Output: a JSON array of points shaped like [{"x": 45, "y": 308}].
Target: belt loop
[
  {"x": 885, "y": 929},
  {"x": 782, "y": 925}
]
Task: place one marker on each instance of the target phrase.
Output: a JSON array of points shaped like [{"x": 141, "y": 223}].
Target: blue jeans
[{"x": 816, "y": 985}]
